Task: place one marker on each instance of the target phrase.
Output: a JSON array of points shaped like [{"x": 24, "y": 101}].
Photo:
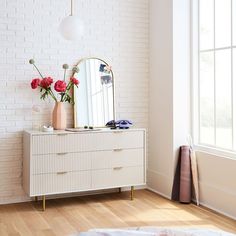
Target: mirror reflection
[{"x": 94, "y": 98}]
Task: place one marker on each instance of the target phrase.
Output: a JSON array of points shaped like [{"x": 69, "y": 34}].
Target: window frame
[{"x": 195, "y": 87}]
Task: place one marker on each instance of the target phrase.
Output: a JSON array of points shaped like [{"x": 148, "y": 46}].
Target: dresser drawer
[
  {"x": 118, "y": 177},
  {"x": 60, "y": 183},
  {"x": 78, "y": 142},
  {"x": 53, "y": 163},
  {"x": 118, "y": 157}
]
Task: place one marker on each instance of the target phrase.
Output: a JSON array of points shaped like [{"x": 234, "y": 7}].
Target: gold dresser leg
[
  {"x": 44, "y": 203},
  {"x": 132, "y": 193},
  {"x": 36, "y": 198}
]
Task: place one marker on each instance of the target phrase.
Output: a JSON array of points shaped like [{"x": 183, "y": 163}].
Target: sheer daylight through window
[{"x": 214, "y": 57}]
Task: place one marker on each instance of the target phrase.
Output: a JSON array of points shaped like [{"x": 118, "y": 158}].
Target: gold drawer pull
[
  {"x": 117, "y": 149},
  {"x": 62, "y": 173},
  {"x": 61, "y": 153},
  {"x": 117, "y": 168}
]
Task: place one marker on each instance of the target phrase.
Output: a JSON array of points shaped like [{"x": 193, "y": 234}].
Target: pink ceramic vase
[{"x": 59, "y": 116}]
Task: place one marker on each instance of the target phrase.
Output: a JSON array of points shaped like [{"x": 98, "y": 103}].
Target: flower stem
[
  {"x": 68, "y": 87},
  {"x": 62, "y": 96},
  {"x": 38, "y": 70},
  {"x": 53, "y": 96},
  {"x": 64, "y": 74}
]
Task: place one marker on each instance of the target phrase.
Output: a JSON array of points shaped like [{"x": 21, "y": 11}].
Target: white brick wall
[{"x": 116, "y": 30}]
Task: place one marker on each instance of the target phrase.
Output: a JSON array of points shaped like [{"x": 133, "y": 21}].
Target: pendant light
[{"x": 71, "y": 27}]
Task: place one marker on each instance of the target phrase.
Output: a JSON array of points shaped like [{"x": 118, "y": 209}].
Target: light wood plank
[{"x": 70, "y": 215}]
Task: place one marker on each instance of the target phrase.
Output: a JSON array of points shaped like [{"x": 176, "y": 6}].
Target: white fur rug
[{"x": 155, "y": 231}]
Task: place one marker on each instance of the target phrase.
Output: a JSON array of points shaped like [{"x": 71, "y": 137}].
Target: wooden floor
[{"x": 71, "y": 215}]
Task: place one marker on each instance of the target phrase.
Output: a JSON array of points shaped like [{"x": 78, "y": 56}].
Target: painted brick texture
[{"x": 116, "y": 31}]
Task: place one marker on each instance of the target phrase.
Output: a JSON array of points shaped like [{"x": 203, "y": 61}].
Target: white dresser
[{"x": 63, "y": 162}]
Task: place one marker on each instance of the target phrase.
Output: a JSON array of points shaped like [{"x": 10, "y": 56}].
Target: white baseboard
[
  {"x": 27, "y": 199},
  {"x": 217, "y": 210},
  {"x": 135, "y": 188},
  {"x": 159, "y": 193},
  {"x": 78, "y": 194},
  {"x": 201, "y": 204},
  {"x": 15, "y": 200},
  {"x": 157, "y": 180}
]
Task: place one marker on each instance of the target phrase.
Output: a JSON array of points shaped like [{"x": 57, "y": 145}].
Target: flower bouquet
[{"x": 61, "y": 88}]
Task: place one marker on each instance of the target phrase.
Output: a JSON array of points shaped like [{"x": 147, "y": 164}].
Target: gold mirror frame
[{"x": 113, "y": 89}]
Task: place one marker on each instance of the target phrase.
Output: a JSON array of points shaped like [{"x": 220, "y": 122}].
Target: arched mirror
[{"x": 94, "y": 97}]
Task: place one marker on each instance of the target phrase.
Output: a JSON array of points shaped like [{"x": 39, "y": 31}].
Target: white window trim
[
  {"x": 194, "y": 71},
  {"x": 215, "y": 151},
  {"x": 195, "y": 91}
]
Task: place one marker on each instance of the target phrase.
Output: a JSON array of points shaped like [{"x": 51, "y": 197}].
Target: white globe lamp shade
[{"x": 71, "y": 28}]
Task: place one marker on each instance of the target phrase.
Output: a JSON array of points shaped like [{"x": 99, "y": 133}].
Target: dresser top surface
[{"x": 99, "y": 130}]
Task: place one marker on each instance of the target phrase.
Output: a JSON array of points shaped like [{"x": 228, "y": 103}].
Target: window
[{"x": 214, "y": 73}]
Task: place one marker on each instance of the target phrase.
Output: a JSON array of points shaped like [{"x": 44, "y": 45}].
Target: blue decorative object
[
  {"x": 124, "y": 124},
  {"x": 111, "y": 123},
  {"x": 106, "y": 79},
  {"x": 102, "y": 67},
  {"x": 121, "y": 124}
]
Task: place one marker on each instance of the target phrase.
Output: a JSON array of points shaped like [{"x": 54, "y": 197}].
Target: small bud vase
[{"x": 59, "y": 116}]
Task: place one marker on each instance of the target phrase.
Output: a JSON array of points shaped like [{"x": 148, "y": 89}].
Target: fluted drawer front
[
  {"x": 52, "y": 163},
  {"x": 118, "y": 157},
  {"x": 74, "y": 142},
  {"x": 60, "y": 183},
  {"x": 118, "y": 177}
]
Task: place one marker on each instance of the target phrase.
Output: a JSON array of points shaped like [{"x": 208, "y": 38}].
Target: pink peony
[
  {"x": 60, "y": 86},
  {"x": 46, "y": 82},
  {"x": 74, "y": 81},
  {"x": 35, "y": 83}
]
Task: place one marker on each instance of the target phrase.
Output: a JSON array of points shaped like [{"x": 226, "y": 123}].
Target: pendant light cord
[{"x": 71, "y": 9}]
